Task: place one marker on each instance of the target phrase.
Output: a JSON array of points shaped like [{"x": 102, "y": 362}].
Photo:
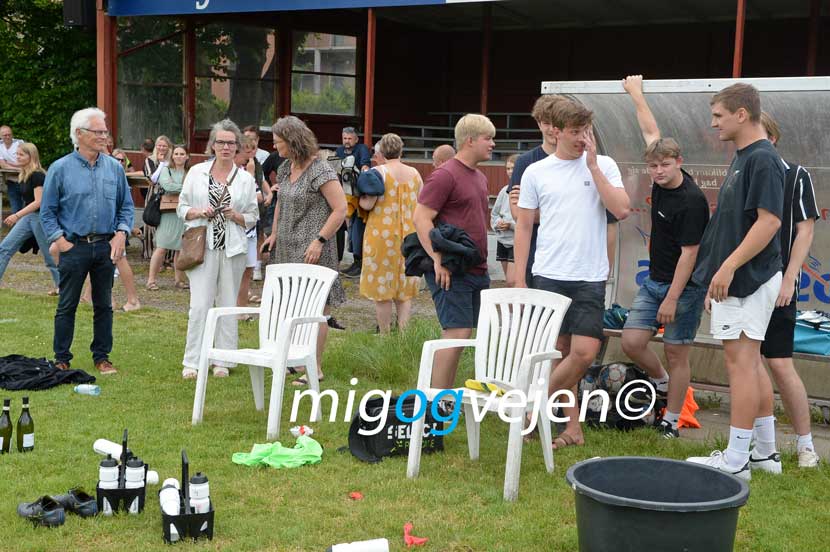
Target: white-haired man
[{"x": 87, "y": 214}]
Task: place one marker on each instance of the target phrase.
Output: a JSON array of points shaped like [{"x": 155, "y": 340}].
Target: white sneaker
[
  {"x": 717, "y": 460},
  {"x": 257, "y": 274},
  {"x": 771, "y": 463},
  {"x": 807, "y": 459}
]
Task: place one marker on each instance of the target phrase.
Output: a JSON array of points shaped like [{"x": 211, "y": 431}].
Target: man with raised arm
[{"x": 667, "y": 297}]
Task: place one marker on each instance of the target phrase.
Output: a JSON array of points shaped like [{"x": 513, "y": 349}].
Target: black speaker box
[{"x": 79, "y": 13}]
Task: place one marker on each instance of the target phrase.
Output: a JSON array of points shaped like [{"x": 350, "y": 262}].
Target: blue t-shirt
[
  {"x": 362, "y": 157},
  {"x": 522, "y": 163}
]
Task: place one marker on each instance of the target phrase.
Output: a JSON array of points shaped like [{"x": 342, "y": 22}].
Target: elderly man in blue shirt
[{"x": 86, "y": 213}]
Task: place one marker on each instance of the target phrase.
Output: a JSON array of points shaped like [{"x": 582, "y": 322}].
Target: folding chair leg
[
  {"x": 258, "y": 385},
  {"x": 201, "y": 388},
  {"x": 473, "y": 431},
  {"x": 275, "y": 404},
  {"x": 413, "y": 465},
  {"x": 313, "y": 379},
  {"x": 545, "y": 436},
  {"x": 513, "y": 465}
]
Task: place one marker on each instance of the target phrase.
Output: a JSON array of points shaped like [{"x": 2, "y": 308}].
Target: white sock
[
  {"x": 672, "y": 418},
  {"x": 737, "y": 453},
  {"x": 661, "y": 384},
  {"x": 258, "y": 265},
  {"x": 764, "y": 431},
  {"x": 805, "y": 442}
]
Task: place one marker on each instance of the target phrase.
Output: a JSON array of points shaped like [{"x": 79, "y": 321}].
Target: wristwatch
[{"x": 321, "y": 239}]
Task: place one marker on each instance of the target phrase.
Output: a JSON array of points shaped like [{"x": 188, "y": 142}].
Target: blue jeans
[
  {"x": 643, "y": 313},
  {"x": 15, "y": 199},
  {"x": 24, "y": 229},
  {"x": 93, "y": 259},
  {"x": 356, "y": 230}
]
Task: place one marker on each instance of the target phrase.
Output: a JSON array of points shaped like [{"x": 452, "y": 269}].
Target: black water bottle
[
  {"x": 25, "y": 429},
  {"x": 5, "y": 428}
]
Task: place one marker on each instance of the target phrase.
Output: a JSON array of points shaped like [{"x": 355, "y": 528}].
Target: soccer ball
[
  {"x": 612, "y": 377},
  {"x": 595, "y": 404},
  {"x": 587, "y": 384}
]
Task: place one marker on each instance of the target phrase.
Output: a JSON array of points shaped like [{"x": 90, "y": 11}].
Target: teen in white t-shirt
[{"x": 572, "y": 225}]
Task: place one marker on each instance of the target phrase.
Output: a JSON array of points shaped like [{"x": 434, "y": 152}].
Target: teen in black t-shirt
[
  {"x": 678, "y": 218},
  {"x": 755, "y": 180}
]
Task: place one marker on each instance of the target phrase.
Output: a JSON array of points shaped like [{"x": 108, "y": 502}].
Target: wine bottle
[
  {"x": 25, "y": 429},
  {"x": 5, "y": 428}
]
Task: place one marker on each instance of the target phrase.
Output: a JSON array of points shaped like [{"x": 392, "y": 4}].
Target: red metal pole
[
  {"x": 487, "y": 31},
  {"x": 369, "y": 106},
  {"x": 812, "y": 37},
  {"x": 106, "y": 66},
  {"x": 740, "y": 20}
]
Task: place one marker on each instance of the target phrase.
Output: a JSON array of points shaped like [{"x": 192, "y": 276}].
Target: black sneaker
[
  {"x": 668, "y": 432},
  {"x": 348, "y": 269},
  {"x": 43, "y": 511},
  {"x": 333, "y": 323},
  {"x": 354, "y": 271},
  {"x": 78, "y": 502}
]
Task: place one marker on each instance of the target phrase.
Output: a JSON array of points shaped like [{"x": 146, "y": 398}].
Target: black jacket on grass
[{"x": 18, "y": 372}]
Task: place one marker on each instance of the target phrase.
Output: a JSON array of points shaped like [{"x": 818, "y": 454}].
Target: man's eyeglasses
[
  {"x": 225, "y": 143},
  {"x": 98, "y": 133}
]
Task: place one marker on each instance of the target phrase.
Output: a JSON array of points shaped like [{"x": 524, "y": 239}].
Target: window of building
[
  {"x": 236, "y": 75},
  {"x": 150, "y": 84},
  {"x": 323, "y": 74}
]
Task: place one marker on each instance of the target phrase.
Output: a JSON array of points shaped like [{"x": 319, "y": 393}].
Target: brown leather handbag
[
  {"x": 168, "y": 203},
  {"x": 192, "y": 253}
]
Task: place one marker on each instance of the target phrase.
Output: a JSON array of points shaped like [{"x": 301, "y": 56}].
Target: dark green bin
[{"x": 649, "y": 504}]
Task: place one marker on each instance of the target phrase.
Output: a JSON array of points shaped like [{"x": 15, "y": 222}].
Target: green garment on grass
[{"x": 306, "y": 451}]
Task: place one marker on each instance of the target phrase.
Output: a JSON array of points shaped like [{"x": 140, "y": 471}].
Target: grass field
[{"x": 456, "y": 502}]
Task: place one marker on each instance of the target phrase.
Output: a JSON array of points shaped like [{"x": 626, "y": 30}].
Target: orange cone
[{"x": 687, "y": 413}]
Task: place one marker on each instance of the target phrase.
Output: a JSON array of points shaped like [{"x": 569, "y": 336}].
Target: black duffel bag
[{"x": 393, "y": 438}]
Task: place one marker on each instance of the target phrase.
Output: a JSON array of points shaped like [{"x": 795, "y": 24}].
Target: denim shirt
[{"x": 81, "y": 199}]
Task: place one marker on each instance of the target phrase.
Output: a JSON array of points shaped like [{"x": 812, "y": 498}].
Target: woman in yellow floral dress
[{"x": 383, "y": 279}]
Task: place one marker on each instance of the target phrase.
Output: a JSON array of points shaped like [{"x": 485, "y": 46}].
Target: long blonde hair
[
  {"x": 33, "y": 165},
  {"x": 155, "y": 155}
]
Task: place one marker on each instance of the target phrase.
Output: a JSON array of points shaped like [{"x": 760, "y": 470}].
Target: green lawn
[{"x": 457, "y": 503}]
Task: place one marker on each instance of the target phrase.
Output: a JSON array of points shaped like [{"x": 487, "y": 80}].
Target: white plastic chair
[
  {"x": 514, "y": 346},
  {"x": 293, "y": 299}
]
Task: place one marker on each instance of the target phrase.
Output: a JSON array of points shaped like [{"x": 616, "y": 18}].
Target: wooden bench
[{"x": 821, "y": 402}]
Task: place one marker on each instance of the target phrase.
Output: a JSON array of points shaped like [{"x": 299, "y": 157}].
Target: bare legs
[{"x": 383, "y": 312}]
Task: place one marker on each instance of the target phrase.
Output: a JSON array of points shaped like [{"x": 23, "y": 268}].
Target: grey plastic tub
[{"x": 649, "y": 504}]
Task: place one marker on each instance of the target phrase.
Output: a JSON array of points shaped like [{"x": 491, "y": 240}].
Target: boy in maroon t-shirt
[{"x": 456, "y": 193}]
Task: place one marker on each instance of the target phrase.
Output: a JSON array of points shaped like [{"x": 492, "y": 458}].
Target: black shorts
[
  {"x": 584, "y": 316},
  {"x": 504, "y": 253},
  {"x": 778, "y": 342}
]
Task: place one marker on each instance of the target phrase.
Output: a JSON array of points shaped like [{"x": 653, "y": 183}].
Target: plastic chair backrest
[
  {"x": 293, "y": 290},
  {"x": 513, "y": 323}
]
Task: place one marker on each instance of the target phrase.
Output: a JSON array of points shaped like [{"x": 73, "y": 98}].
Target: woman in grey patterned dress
[{"x": 310, "y": 208}]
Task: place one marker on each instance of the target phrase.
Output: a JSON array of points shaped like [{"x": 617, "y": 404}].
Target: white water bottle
[
  {"x": 88, "y": 389},
  {"x": 134, "y": 479},
  {"x": 104, "y": 447},
  {"x": 107, "y": 479},
  {"x": 374, "y": 545},
  {"x": 199, "y": 494},
  {"x": 170, "y": 503}
]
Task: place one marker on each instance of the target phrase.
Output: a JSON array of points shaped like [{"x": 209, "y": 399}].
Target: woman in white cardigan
[{"x": 218, "y": 195}]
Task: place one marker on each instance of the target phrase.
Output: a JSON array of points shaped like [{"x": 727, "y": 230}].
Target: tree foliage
[{"x": 48, "y": 73}]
